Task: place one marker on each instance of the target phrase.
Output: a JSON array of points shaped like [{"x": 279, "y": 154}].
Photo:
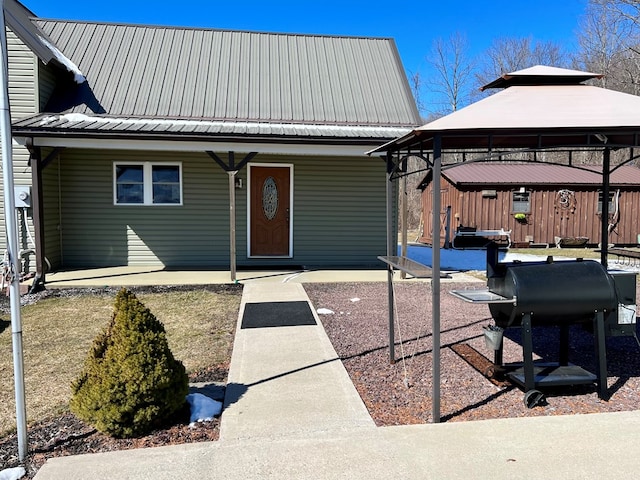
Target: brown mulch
[{"x": 400, "y": 393}]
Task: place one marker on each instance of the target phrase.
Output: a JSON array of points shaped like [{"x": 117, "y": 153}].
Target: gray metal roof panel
[
  {"x": 199, "y": 73},
  {"x": 73, "y": 123}
]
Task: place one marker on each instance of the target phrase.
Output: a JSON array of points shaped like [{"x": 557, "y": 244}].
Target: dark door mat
[{"x": 277, "y": 314}]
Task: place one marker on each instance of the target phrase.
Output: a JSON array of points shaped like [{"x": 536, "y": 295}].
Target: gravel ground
[{"x": 400, "y": 394}]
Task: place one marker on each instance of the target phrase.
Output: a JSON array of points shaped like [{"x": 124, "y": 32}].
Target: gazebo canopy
[{"x": 539, "y": 107}]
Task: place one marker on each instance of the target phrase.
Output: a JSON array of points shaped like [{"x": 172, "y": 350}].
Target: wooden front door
[{"x": 270, "y": 192}]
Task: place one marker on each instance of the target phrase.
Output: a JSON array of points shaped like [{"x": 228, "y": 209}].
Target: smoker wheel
[{"x": 533, "y": 398}]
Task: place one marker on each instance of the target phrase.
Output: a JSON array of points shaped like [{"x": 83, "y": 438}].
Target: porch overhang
[
  {"x": 193, "y": 134},
  {"x": 162, "y": 143}
]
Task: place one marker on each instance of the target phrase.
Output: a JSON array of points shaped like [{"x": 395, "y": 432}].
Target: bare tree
[
  {"x": 609, "y": 41},
  {"x": 416, "y": 83},
  {"x": 629, "y": 9},
  {"x": 452, "y": 76},
  {"x": 510, "y": 54}
]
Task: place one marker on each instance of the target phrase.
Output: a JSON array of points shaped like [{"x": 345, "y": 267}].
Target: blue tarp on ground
[{"x": 450, "y": 259}]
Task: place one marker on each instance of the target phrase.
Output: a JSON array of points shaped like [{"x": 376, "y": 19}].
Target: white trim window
[
  {"x": 147, "y": 183},
  {"x": 521, "y": 201}
]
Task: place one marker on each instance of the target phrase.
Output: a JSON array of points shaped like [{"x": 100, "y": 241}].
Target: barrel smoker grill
[{"x": 564, "y": 293}]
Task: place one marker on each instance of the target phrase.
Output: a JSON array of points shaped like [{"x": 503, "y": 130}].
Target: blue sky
[{"x": 414, "y": 25}]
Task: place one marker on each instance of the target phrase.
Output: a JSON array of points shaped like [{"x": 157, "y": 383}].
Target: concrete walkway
[
  {"x": 287, "y": 381},
  {"x": 575, "y": 447},
  {"x": 292, "y": 413}
]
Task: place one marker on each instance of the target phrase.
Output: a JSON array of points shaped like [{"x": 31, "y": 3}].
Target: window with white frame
[
  {"x": 147, "y": 183},
  {"x": 521, "y": 201}
]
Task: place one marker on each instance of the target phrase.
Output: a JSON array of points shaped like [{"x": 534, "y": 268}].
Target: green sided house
[{"x": 182, "y": 147}]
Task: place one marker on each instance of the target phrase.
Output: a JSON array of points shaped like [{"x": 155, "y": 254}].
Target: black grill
[
  {"x": 563, "y": 293},
  {"x": 552, "y": 293}
]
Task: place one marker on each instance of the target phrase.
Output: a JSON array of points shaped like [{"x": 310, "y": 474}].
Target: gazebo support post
[
  {"x": 435, "y": 280},
  {"x": 390, "y": 252},
  {"x": 606, "y": 177}
]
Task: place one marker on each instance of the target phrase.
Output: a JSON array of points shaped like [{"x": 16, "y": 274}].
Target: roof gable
[
  {"x": 168, "y": 72},
  {"x": 18, "y": 19}
]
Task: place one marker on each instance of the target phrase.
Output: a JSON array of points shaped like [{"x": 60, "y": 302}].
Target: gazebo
[{"x": 539, "y": 109}]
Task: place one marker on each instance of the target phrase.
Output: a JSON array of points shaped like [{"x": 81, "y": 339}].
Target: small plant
[
  {"x": 130, "y": 382},
  {"x": 520, "y": 217}
]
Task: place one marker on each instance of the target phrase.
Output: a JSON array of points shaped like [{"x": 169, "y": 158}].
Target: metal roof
[
  {"x": 218, "y": 76},
  {"x": 487, "y": 173},
  {"x": 192, "y": 129}
]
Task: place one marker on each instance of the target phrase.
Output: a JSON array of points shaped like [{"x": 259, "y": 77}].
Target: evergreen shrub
[{"x": 130, "y": 382}]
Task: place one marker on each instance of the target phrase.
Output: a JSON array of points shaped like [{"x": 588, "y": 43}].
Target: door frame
[{"x": 267, "y": 165}]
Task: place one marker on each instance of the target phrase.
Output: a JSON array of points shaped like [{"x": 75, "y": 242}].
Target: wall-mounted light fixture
[{"x": 238, "y": 183}]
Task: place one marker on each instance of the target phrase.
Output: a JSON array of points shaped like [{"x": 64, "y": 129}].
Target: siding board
[{"x": 22, "y": 98}]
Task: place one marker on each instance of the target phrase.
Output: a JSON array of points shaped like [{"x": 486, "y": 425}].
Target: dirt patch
[{"x": 400, "y": 393}]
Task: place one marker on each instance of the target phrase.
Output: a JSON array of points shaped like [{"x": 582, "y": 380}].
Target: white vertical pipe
[{"x": 11, "y": 225}]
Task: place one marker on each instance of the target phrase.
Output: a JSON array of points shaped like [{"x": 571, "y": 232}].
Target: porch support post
[
  {"x": 232, "y": 224},
  {"x": 403, "y": 214},
  {"x": 435, "y": 280},
  {"x": 232, "y": 169},
  {"x": 38, "y": 218}
]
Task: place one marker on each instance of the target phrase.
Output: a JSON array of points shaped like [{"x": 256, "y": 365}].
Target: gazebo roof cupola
[{"x": 541, "y": 75}]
